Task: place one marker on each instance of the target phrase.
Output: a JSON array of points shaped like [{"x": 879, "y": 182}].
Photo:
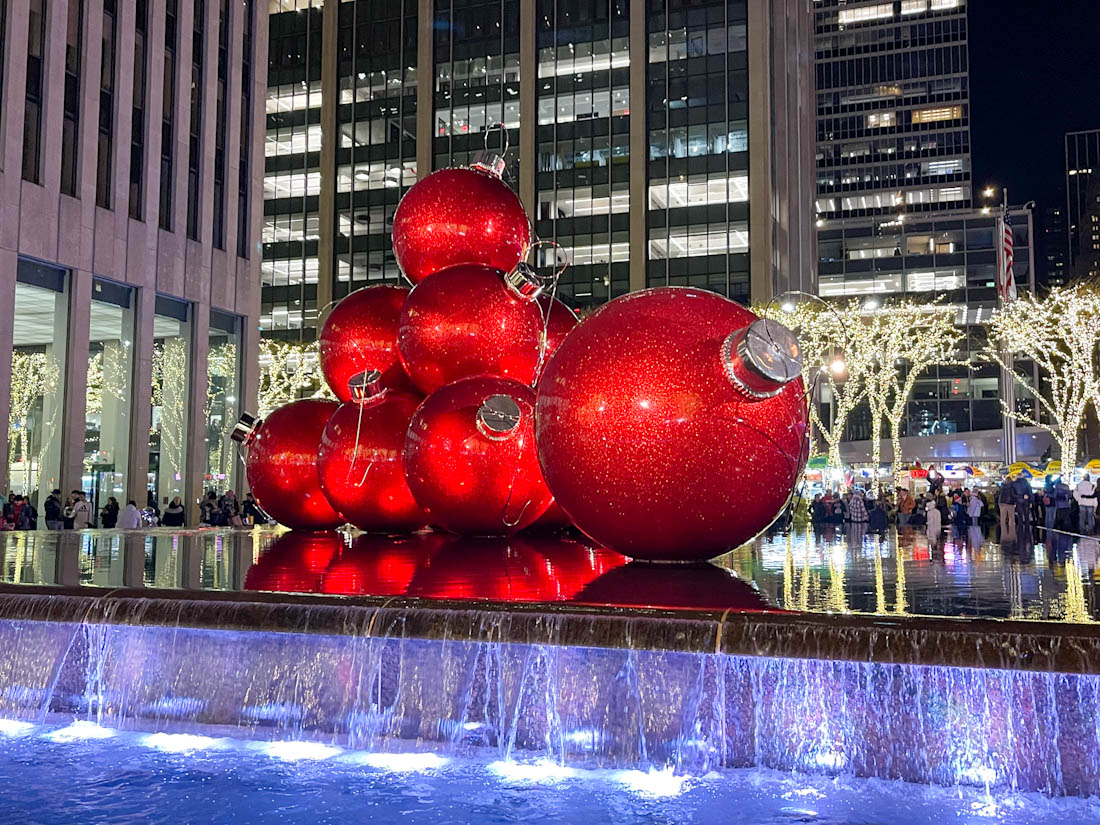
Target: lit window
[
  {"x": 937, "y": 114},
  {"x": 881, "y": 120},
  {"x": 913, "y": 6},
  {"x": 939, "y": 5},
  {"x": 882, "y": 11}
]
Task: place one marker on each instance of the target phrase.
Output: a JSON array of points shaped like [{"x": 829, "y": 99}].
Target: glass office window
[
  {"x": 107, "y": 402},
  {"x": 171, "y": 393},
  {"x": 35, "y": 422},
  {"x": 222, "y": 404}
]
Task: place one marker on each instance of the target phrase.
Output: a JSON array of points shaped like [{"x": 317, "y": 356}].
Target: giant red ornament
[
  {"x": 460, "y": 216},
  {"x": 281, "y": 464},
  {"x": 466, "y": 321},
  {"x": 559, "y": 321},
  {"x": 470, "y": 457},
  {"x": 672, "y": 424},
  {"x": 360, "y": 334},
  {"x": 361, "y": 467}
]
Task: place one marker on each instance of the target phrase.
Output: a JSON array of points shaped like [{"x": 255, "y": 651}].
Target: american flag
[{"x": 1006, "y": 281}]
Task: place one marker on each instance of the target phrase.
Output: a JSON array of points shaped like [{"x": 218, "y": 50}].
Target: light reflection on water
[{"x": 833, "y": 570}]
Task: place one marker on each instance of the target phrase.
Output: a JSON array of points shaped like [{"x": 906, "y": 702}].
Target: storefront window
[
  {"x": 37, "y": 381},
  {"x": 171, "y": 391},
  {"x": 222, "y": 400},
  {"x": 107, "y": 404}
]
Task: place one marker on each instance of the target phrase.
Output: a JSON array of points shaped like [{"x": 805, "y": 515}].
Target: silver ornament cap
[{"x": 762, "y": 358}]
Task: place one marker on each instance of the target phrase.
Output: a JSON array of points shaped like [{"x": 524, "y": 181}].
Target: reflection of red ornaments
[
  {"x": 490, "y": 568},
  {"x": 658, "y": 429},
  {"x": 459, "y": 216},
  {"x": 360, "y": 334},
  {"x": 467, "y": 321},
  {"x": 361, "y": 467},
  {"x": 380, "y": 565},
  {"x": 281, "y": 465},
  {"x": 695, "y": 586},
  {"x": 294, "y": 563},
  {"x": 470, "y": 457}
]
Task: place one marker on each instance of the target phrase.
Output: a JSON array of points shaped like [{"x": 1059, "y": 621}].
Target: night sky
[{"x": 1034, "y": 75}]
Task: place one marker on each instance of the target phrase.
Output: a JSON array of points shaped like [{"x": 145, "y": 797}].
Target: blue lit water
[{"x": 129, "y": 778}]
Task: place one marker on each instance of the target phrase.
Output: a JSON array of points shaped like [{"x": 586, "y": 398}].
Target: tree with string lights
[
  {"x": 1059, "y": 332},
  {"x": 288, "y": 370}
]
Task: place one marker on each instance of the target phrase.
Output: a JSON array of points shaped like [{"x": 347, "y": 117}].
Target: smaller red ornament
[
  {"x": 553, "y": 520},
  {"x": 281, "y": 463},
  {"x": 470, "y": 457},
  {"x": 359, "y": 335},
  {"x": 460, "y": 216},
  {"x": 469, "y": 320},
  {"x": 559, "y": 323},
  {"x": 294, "y": 563},
  {"x": 360, "y": 460}
]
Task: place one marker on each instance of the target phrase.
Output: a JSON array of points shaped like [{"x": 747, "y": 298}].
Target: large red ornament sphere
[
  {"x": 459, "y": 216},
  {"x": 470, "y": 457},
  {"x": 359, "y": 335},
  {"x": 560, "y": 323},
  {"x": 361, "y": 467},
  {"x": 467, "y": 321},
  {"x": 281, "y": 465},
  {"x": 672, "y": 424}
]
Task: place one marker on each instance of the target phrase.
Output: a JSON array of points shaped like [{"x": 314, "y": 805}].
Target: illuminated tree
[
  {"x": 34, "y": 377},
  {"x": 837, "y": 353},
  {"x": 288, "y": 371},
  {"x": 1060, "y": 333},
  {"x": 908, "y": 338}
]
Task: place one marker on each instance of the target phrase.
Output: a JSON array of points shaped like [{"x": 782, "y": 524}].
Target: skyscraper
[
  {"x": 658, "y": 141},
  {"x": 1083, "y": 202},
  {"x": 129, "y": 272}
]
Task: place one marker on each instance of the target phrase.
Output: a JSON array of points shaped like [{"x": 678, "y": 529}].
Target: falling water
[{"x": 467, "y": 692}]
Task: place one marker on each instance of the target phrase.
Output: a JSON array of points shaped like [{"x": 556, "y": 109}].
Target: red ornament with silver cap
[
  {"x": 672, "y": 424},
  {"x": 281, "y": 463},
  {"x": 470, "y": 457},
  {"x": 359, "y": 335},
  {"x": 360, "y": 458},
  {"x": 471, "y": 320},
  {"x": 461, "y": 216}
]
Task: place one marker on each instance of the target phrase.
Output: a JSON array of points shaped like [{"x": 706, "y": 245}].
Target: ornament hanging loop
[
  {"x": 525, "y": 280},
  {"x": 488, "y": 161}
]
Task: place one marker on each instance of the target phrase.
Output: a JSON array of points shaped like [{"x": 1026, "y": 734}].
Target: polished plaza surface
[{"x": 831, "y": 570}]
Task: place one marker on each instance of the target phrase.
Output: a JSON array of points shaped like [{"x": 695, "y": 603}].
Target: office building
[
  {"x": 1083, "y": 202},
  {"x": 658, "y": 141},
  {"x": 129, "y": 270},
  {"x": 1052, "y": 244}
]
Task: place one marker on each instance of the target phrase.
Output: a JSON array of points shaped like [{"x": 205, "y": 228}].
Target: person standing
[
  {"x": 1062, "y": 499},
  {"x": 1007, "y": 510},
  {"x": 108, "y": 517},
  {"x": 934, "y": 522},
  {"x": 173, "y": 513},
  {"x": 82, "y": 511},
  {"x": 54, "y": 517},
  {"x": 130, "y": 518},
  {"x": 906, "y": 505},
  {"x": 1085, "y": 495},
  {"x": 857, "y": 508}
]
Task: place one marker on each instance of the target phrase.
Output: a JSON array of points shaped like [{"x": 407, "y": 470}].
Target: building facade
[
  {"x": 1083, "y": 202},
  {"x": 129, "y": 268},
  {"x": 658, "y": 141}
]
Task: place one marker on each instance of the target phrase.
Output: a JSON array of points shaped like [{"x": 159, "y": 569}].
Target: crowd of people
[
  {"x": 75, "y": 512},
  {"x": 1015, "y": 507}
]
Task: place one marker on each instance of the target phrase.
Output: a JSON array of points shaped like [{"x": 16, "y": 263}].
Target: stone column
[
  {"x": 8, "y": 263},
  {"x": 330, "y": 141},
  {"x": 759, "y": 32},
  {"x": 528, "y": 108},
  {"x": 639, "y": 146},
  {"x": 137, "y": 469},
  {"x": 194, "y": 449},
  {"x": 75, "y": 379},
  {"x": 425, "y": 88}
]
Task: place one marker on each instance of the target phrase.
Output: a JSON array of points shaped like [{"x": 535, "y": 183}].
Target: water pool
[{"x": 51, "y": 775}]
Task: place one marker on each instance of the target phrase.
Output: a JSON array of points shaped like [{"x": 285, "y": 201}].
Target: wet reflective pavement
[{"x": 828, "y": 571}]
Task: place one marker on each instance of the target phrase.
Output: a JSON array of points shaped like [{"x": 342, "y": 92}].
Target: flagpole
[{"x": 1008, "y": 382}]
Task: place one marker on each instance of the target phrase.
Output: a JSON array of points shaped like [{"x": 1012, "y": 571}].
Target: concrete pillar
[
  {"x": 8, "y": 263},
  {"x": 639, "y": 146},
  {"x": 330, "y": 141},
  {"x": 425, "y": 88},
  {"x": 528, "y": 108},
  {"x": 141, "y": 392},
  {"x": 760, "y": 149},
  {"x": 75, "y": 377},
  {"x": 195, "y": 426}
]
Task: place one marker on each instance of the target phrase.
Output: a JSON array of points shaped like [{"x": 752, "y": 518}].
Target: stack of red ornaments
[{"x": 670, "y": 425}]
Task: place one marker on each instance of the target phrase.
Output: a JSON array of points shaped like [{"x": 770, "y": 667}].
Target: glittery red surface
[
  {"x": 553, "y": 519},
  {"x": 645, "y": 442},
  {"x": 466, "y": 321},
  {"x": 468, "y": 483},
  {"x": 281, "y": 465},
  {"x": 459, "y": 216},
  {"x": 561, "y": 321},
  {"x": 361, "y": 467},
  {"x": 361, "y": 334}
]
